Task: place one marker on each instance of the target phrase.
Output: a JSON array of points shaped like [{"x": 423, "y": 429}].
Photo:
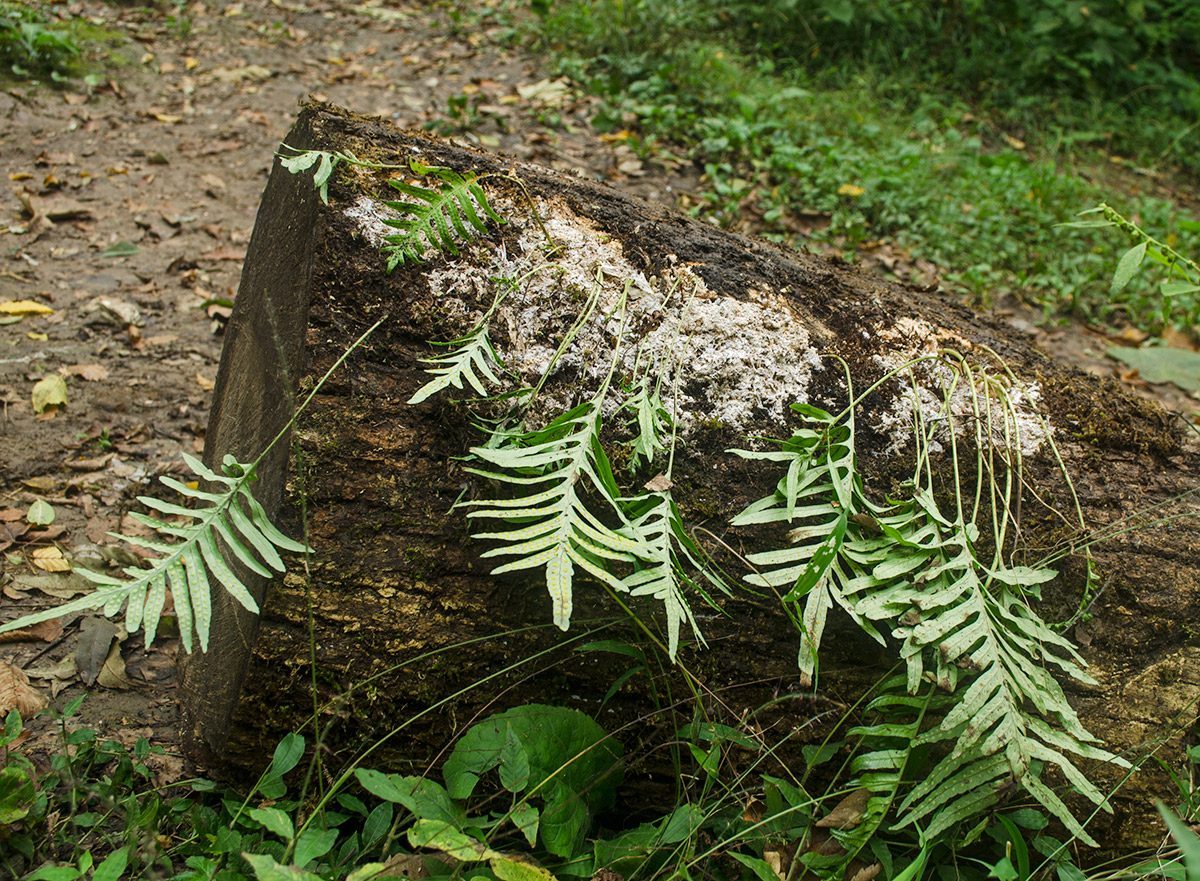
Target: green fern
[
  {"x": 822, "y": 489},
  {"x": 440, "y": 219},
  {"x": 653, "y": 423},
  {"x": 964, "y": 625},
  {"x": 234, "y": 516},
  {"x": 325, "y": 161},
  {"x": 473, "y": 358},
  {"x": 553, "y": 526},
  {"x": 879, "y": 767}
]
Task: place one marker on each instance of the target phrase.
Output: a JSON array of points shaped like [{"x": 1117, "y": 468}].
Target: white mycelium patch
[
  {"x": 1017, "y": 426},
  {"x": 732, "y": 360}
]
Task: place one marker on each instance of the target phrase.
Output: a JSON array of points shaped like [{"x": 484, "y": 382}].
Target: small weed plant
[
  {"x": 30, "y": 46},
  {"x": 972, "y": 715}
]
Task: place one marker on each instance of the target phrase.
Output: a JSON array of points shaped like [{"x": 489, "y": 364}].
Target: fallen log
[{"x": 397, "y": 620}]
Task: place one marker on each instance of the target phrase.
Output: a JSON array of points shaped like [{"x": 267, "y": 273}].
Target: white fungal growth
[
  {"x": 1016, "y": 425},
  {"x": 734, "y": 360}
]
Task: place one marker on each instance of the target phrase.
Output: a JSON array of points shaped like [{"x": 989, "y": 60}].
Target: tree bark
[{"x": 408, "y": 629}]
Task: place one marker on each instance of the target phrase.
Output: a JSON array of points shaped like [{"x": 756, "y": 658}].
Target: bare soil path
[{"x": 128, "y": 212}]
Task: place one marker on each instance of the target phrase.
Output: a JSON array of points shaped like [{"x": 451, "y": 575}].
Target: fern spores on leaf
[
  {"x": 440, "y": 215},
  {"x": 233, "y": 516}
]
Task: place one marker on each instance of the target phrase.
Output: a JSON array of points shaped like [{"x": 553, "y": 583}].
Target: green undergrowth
[
  {"x": 897, "y": 152},
  {"x": 36, "y": 46}
]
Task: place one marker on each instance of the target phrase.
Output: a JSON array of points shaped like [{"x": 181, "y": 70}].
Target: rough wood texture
[{"x": 404, "y": 614}]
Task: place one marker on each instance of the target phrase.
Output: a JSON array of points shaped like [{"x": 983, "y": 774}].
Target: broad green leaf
[
  {"x": 1127, "y": 266},
  {"x": 40, "y": 513},
  {"x": 267, "y": 869},
  {"x": 449, "y": 840},
  {"x": 313, "y": 844},
  {"x": 1177, "y": 288},
  {"x": 514, "y": 869},
  {"x": 1180, "y": 367},
  {"x": 526, "y": 817},
  {"x": 275, "y": 821},
  {"x": 113, "y": 866}
]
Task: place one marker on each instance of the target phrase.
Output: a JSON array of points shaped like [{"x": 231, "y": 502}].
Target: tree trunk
[{"x": 407, "y": 627}]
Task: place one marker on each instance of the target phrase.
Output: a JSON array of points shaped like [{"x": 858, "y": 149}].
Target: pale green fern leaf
[
  {"x": 666, "y": 553},
  {"x": 184, "y": 566},
  {"x": 472, "y": 361},
  {"x": 962, "y": 624},
  {"x": 653, "y": 423},
  {"x": 441, "y": 215},
  {"x": 564, "y": 534}
]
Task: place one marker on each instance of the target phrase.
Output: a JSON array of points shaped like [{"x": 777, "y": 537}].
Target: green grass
[{"x": 938, "y": 176}]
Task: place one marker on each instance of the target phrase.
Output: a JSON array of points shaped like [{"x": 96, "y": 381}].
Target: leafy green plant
[
  {"x": 964, "y": 622},
  {"x": 443, "y": 213},
  {"x": 30, "y": 47},
  {"x": 1180, "y": 275},
  {"x": 454, "y": 198},
  {"x": 233, "y": 516}
]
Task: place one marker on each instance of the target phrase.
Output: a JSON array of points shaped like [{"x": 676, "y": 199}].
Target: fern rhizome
[{"x": 976, "y": 703}]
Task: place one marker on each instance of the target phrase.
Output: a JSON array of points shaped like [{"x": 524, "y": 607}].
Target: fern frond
[
  {"x": 963, "y": 625},
  {"x": 666, "y": 548},
  {"x": 442, "y": 215},
  {"x": 473, "y": 358},
  {"x": 651, "y": 421},
  {"x": 233, "y": 515},
  {"x": 886, "y": 747},
  {"x": 820, "y": 490},
  {"x": 553, "y": 527}
]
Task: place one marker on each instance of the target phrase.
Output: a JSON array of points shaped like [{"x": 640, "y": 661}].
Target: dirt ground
[{"x": 128, "y": 212}]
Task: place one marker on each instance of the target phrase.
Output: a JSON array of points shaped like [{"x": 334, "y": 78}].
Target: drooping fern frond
[
  {"x": 233, "y": 516},
  {"x": 653, "y": 423},
  {"x": 552, "y": 525},
  {"x": 666, "y": 557},
  {"x": 821, "y": 492},
  {"x": 440, "y": 215},
  {"x": 965, "y": 625},
  {"x": 472, "y": 358}
]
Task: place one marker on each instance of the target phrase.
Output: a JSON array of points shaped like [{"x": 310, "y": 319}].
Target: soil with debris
[{"x": 122, "y": 238}]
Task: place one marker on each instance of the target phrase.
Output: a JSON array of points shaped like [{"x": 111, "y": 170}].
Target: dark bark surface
[{"x": 410, "y": 631}]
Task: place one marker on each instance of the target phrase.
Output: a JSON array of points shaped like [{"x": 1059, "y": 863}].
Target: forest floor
[{"x": 128, "y": 214}]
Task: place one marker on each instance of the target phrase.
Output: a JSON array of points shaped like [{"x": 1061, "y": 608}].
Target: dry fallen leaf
[
  {"x": 50, "y": 559},
  {"x": 46, "y": 631},
  {"x": 25, "y": 307},
  {"x": 112, "y": 674},
  {"x": 49, "y": 393},
  {"x": 17, "y": 694},
  {"x": 849, "y": 811},
  {"x": 89, "y": 372},
  {"x": 97, "y": 638},
  {"x": 204, "y": 382}
]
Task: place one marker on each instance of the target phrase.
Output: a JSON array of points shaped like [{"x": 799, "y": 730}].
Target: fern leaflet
[
  {"x": 473, "y": 358},
  {"x": 553, "y": 526},
  {"x": 441, "y": 216},
  {"x": 234, "y": 516},
  {"x": 666, "y": 546}
]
